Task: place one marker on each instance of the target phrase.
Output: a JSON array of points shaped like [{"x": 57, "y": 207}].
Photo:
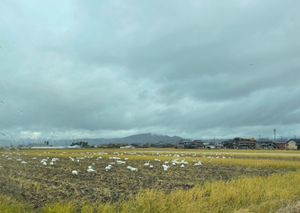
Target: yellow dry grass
[{"x": 244, "y": 195}]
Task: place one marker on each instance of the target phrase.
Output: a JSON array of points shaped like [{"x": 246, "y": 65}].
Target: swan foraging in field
[
  {"x": 151, "y": 166},
  {"x": 54, "y": 159},
  {"x": 44, "y": 160},
  {"x": 183, "y": 162},
  {"x": 198, "y": 163},
  {"x": 107, "y": 168},
  {"x": 182, "y": 166},
  {"x": 165, "y": 167},
  {"x": 147, "y": 164},
  {"x": 74, "y": 172},
  {"x": 23, "y": 162},
  {"x": 90, "y": 169},
  {"x": 132, "y": 168},
  {"x": 120, "y": 162}
]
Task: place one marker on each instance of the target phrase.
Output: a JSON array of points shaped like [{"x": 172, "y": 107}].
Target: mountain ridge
[{"x": 142, "y": 138}]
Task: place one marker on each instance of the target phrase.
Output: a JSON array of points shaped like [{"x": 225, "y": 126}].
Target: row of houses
[{"x": 241, "y": 143}]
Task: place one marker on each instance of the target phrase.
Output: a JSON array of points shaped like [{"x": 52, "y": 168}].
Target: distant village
[
  {"x": 235, "y": 143},
  {"x": 243, "y": 143}
]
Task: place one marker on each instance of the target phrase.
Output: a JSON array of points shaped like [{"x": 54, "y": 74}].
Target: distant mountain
[
  {"x": 132, "y": 139},
  {"x": 139, "y": 139}
]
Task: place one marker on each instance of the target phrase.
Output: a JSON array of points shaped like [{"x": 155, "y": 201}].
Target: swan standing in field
[{"x": 165, "y": 167}]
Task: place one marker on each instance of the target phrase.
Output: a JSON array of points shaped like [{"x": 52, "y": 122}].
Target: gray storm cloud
[{"x": 193, "y": 68}]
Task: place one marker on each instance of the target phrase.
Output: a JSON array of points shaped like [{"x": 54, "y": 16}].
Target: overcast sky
[{"x": 194, "y": 68}]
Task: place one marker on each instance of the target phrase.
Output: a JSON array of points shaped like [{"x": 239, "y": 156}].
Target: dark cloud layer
[{"x": 193, "y": 68}]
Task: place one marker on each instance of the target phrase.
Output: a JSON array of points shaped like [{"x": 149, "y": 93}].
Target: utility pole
[{"x": 274, "y": 131}]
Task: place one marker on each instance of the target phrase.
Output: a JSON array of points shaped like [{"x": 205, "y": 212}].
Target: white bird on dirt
[
  {"x": 199, "y": 163},
  {"x": 120, "y": 162},
  {"x": 165, "y": 167},
  {"x": 107, "y": 168},
  {"x": 184, "y": 162},
  {"x": 74, "y": 172},
  {"x": 54, "y": 159},
  {"x": 90, "y": 169},
  {"x": 51, "y": 163},
  {"x": 147, "y": 164},
  {"x": 182, "y": 166},
  {"x": 151, "y": 166},
  {"x": 132, "y": 168},
  {"x": 45, "y": 163},
  {"x": 44, "y": 160},
  {"x": 23, "y": 162}
]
